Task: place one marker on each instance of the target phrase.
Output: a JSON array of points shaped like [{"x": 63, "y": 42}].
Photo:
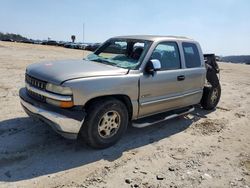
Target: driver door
[{"x": 163, "y": 90}]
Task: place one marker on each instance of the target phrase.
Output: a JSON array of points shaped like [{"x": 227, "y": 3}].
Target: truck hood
[{"x": 59, "y": 71}]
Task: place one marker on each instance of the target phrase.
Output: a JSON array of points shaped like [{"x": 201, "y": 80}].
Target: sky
[{"x": 220, "y": 26}]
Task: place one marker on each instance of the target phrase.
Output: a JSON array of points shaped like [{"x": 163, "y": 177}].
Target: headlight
[{"x": 58, "y": 89}]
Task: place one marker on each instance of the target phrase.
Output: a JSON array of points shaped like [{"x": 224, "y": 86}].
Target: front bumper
[{"x": 66, "y": 122}]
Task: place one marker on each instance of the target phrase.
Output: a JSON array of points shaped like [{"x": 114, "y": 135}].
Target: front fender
[{"x": 85, "y": 89}]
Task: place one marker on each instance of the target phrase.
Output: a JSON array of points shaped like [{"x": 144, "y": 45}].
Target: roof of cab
[{"x": 155, "y": 37}]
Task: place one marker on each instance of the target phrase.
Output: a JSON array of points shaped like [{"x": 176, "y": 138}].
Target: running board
[{"x": 147, "y": 121}]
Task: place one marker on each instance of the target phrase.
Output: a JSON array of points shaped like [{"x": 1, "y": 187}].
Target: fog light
[{"x": 62, "y": 104}]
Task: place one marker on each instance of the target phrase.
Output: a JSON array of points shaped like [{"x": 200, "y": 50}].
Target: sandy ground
[{"x": 202, "y": 149}]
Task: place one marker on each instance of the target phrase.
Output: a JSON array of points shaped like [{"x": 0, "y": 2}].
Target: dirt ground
[{"x": 202, "y": 149}]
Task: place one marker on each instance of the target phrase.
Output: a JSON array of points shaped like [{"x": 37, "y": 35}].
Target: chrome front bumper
[{"x": 62, "y": 123}]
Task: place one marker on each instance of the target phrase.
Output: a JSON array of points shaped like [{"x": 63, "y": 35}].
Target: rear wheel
[
  {"x": 105, "y": 123},
  {"x": 211, "y": 97}
]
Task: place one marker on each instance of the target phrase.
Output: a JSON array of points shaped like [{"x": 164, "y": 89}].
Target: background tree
[
  {"x": 73, "y": 38},
  {"x": 12, "y": 36}
]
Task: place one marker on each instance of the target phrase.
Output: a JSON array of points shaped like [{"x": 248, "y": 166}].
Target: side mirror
[{"x": 152, "y": 66}]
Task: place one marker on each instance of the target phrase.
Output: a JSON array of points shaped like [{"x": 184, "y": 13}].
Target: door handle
[{"x": 181, "y": 77}]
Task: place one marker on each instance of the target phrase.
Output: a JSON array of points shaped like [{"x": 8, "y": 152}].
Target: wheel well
[{"x": 123, "y": 98}]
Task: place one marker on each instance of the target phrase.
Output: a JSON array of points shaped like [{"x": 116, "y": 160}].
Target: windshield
[{"x": 124, "y": 53}]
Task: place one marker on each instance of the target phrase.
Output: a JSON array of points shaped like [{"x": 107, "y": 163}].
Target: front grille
[
  {"x": 36, "y": 96},
  {"x": 37, "y": 84}
]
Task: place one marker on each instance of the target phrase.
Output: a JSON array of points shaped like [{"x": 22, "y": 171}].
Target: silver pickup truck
[{"x": 128, "y": 80}]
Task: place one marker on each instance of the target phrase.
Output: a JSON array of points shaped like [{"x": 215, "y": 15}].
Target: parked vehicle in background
[
  {"x": 137, "y": 80},
  {"x": 82, "y": 45},
  {"x": 67, "y": 44},
  {"x": 28, "y": 41},
  {"x": 61, "y": 43},
  {"x": 92, "y": 47},
  {"x": 7, "y": 40},
  {"x": 37, "y": 42},
  {"x": 44, "y": 42},
  {"x": 52, "y": 43},
  {"x": 71, "y": 45}
]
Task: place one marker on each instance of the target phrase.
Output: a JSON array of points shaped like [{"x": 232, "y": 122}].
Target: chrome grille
[
  {"x": 37, "y": 84},
  {"x": 36, "y": 96}
]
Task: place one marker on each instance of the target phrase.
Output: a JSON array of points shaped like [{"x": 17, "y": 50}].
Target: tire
[
  {"x": 106, "y": 122},
  {"x": 211, "y": 97}
]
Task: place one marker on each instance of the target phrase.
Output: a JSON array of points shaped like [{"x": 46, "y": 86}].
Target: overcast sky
[{"x": 221, "y": 26}]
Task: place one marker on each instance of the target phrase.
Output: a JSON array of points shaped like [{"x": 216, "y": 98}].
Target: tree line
[{"x": 12, "y": 36}]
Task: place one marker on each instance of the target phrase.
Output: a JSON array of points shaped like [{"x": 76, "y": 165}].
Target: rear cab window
[{"x": 191, "y": 54}]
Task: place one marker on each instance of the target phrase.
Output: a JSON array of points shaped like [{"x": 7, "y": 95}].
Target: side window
[
  {"x": 168, "y": 54},
  {"x": 191, "y": 54}
]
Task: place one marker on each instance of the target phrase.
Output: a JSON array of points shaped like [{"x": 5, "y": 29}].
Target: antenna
[{"x": 83, "y": 33}]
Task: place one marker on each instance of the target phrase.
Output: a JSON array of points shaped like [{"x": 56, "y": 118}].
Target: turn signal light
[
  {"x": 62, "y": 104},
  {"x": 66, "y": 104}
]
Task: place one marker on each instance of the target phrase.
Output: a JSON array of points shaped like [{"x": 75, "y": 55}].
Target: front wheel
[
  {"x": 211, "y": 97},
  {"x": 105, "y": 123}
]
